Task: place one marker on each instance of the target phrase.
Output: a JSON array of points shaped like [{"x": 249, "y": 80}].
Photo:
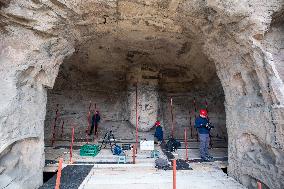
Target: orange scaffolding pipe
[
  {"x": 259, "y": 186},
  {"x": 136, "y": 107},
  {"x": 133, "y": 154},
  {"x": 191, "y": 126},
  {"x": 195, "y": 112},
  {"x": 174, "y": 174},
  {"x": 62, "y": 130},
  {"x": 71, "y": 146},
  {"x": 210, "y": 136},
  {"x": 186, "y": 146},
  {"x": 58, "y": 177},
  {"x": 172, "y": 116},
  {"x": 89, "y": 122},
  {"x": 54, "y": 124},
  {"x": 96, "y": 134}
]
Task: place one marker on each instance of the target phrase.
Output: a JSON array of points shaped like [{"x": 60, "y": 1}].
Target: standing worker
[
  {"x": 95, "y": 122},
  {"x": 159, "y": 132},
  {"x": 204, "y": 127}
]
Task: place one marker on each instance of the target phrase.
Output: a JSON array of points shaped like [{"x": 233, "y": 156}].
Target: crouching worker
[
  {"x": 159, "y": 132},
  {"x": 204, "y": 127}
]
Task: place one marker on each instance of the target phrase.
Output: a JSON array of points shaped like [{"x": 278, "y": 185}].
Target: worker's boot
[
  {"x": 209, "y": 157},
  {"x": 205, "y": 159}
]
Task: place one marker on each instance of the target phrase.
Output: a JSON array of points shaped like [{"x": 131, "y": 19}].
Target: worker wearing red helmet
[
  {"x": 203, "y": 126},
  {"x": 157, "y": 123},
  {"x": 159, "y": 132}
]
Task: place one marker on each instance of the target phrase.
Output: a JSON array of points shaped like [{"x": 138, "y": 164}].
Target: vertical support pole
[
  {"x": 185, "y": 141},
  {"x": 133, "y": 154},
  {"x": 206, "y": 105},
  {"x": 71, "y": 146},
  {"x": 191, "y": 126},
  {"x": 62, "y": 130},
  {"x": 95, "y": 134},
  {"x": 174, "y": 174},
  {"x": 172, "y": 116},
  {"x": 58, "y": 177},
  {"x": 136, "y": 108},
  {"x": 259, "y": 186},
  {"x": 54, "y": 124},
  {"x": 195, "y": 112},
  {"x": 210, "y": 136},
  {"x": 89, "y": 122},
  {"x": 194, "y": 105}
]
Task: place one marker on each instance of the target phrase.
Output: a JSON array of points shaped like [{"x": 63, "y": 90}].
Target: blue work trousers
[{"x": 204, "y": 144}]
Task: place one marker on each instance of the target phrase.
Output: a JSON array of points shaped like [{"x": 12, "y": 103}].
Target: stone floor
[
  {"x": 107, "y": 174},
  {"x": 203, "y": 176}
]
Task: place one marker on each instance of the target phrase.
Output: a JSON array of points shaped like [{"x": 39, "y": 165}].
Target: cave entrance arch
[
  {"x": 105, "y": 71},
  {"x": 43, "y": 33}
]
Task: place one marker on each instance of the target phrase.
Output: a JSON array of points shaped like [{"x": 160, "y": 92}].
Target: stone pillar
[
  {"x": 24, "y": 76},
  {"x": 147, "y": 96}
]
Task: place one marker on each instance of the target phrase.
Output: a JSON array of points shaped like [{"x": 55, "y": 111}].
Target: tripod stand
[{"x": 108, "y": 140}]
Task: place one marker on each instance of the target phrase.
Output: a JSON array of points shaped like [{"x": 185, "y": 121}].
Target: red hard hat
[
  {"x": 203, "y": 112},
  {"x": 158, "y": 123}
]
